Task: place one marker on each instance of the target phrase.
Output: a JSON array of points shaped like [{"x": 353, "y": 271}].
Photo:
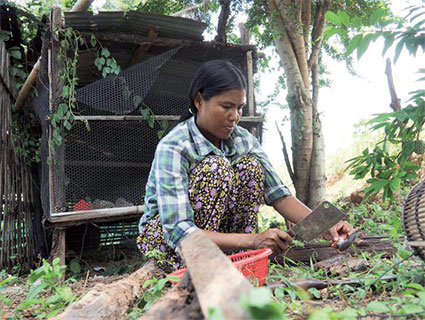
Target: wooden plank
[
  {"x": 58, "y": 245},
  {"x": 86, "y": 215},
  {"x": 256, "y": 119},
  {"x": 217, "y": 282},
  {"x": 110, "y": 301},
  {"x": 251, "y": 109}
]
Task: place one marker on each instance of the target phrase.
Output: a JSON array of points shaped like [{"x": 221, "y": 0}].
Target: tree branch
[
  {"x": 222, "y": 21},
  {"x": 306, "y": 21},
  {"x": 285, "y": 154},
  {"x": 395, "y": 101},
  {"x": 318, "y": 27},
  {"x": 294, "y": 31}
]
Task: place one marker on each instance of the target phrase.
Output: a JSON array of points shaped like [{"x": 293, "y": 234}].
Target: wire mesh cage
[
  {"x": 105, "y": 159},
  {"x": 414, "y": 219}
]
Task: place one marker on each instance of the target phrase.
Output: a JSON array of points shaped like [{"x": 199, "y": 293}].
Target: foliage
[
  {"x": 63, "y": 118},
  {"x": 259, "y": 305},
  {"x": 390, "y": 162},
  {"x": 46, "y": 279},
  {"x": 155, "y": 291},
  {"x": 5, "y": 279}
]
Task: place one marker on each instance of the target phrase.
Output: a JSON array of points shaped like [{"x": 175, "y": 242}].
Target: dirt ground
[{"x": 100, "y": 266}]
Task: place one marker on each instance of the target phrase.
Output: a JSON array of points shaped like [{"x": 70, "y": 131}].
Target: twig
[
  {"x": 87, "y": 278},
  {"x": 285, "y": 154}
]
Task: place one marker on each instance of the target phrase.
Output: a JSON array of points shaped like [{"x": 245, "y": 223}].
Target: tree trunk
[
  {"x": 318, "y": 164},
  {"x": 222, "y": 21},
  {"x": 291, "y": 25}
]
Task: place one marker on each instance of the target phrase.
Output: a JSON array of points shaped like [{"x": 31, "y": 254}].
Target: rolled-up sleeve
[{"x": 177, "y": 218}]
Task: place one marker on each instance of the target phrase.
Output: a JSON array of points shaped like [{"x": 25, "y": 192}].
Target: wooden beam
[
  {"x": 86, "y": 215},
  {"x": 217, "y": 282},
  {"x": 251, "y": 109},
  {"x": 58, "y": 245},
  {"x": 255, "y": 119}
]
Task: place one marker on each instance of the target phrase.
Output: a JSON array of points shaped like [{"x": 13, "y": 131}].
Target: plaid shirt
[{"x": 176, "y": 155}]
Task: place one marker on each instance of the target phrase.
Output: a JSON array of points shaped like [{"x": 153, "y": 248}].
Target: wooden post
[
  {"x": 58, "y": 245},
  {"x": 217, "y": 282},
  {"x": 251, "y": 106}
]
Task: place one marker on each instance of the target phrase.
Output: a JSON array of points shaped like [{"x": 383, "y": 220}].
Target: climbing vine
[{"x": 64, "y": 117}]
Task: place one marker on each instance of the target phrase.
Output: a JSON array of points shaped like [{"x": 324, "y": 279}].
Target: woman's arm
[
  {"x": 291, "y": 208},
  {"x": 275, "y": 239}
]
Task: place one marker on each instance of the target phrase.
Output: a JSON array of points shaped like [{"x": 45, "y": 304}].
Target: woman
[{"x": 210, "y": 174}]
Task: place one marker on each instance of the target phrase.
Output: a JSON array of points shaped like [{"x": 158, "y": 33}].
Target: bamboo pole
[{"x": 80, "y": 5}]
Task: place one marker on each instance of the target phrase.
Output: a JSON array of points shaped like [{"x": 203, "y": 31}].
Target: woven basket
[{"x": 414, "y": 219}]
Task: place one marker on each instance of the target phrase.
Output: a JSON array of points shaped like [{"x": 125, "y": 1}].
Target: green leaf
[
  {"x": 398, "y": 49},
  {"x": 137, "y": 100},
  {"x": 105, "y": 52},
  {"x": 395, "y": 184},
  {"x": 345, "y": 19},
  {"x": 416, "y": 286},
  {"x": 151, "y": 121},
  {"x": 145, "y": 113},
  {"x": 173, "y": 278},
  {"x": 93, "y": 40},
  {"x": 67, "y": 125},
  {"x": 363, "y": 45},
  {"x": 377, "y": 306},
  {"x": 75, "y": 266},
  {"x": 389, "y": 40},
  {"x": 334, "y": 18},
  {"x": 35, "y": 290},
  {"x": 15, "y": 52},
  {"x": 215, "y": 314},
  {"x": 62, "y": 109},
  {"x": 160, "y": 133},
  {"x": 102, "y": 61},
  {"x": 4, "y": 35},
  {"x": 148, "y": 283},
  {"x": 353, "y": 44},
  {"x": 315, "y": 292},
  {"x": 419, "y": 147}
]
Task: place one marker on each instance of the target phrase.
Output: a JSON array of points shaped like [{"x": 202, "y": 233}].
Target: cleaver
[{"x": 326, "y": 215}]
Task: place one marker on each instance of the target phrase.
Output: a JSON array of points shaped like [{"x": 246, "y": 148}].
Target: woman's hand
[
  {"x": 275, "y": 239},
  {"x": 340, "y": 230}
]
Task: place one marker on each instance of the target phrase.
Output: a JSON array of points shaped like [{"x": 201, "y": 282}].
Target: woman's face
[{"x": 218, "y": 117}]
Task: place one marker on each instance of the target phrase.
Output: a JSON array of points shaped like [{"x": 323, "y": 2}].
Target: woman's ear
[{"x": 198, "y": 101}]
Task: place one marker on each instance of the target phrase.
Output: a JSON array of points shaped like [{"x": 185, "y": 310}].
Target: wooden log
[
  {"x": 323, "y": 250},
  {"x": 341, "y": 264},
  {"x": 86, "y": 215},
  {"x": 255, "y": 119},
  {"x": 217, "y": 282},
  {"x": 58, "y": 245},
  {"x": 110, "y": 301},
  {"x": 181, "y": 302}
]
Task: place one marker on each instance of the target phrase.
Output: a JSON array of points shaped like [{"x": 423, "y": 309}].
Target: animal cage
[{"x": 101, "y": 168}]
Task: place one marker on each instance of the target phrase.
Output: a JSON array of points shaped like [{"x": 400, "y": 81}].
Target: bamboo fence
[{"x": 17, "y": 247}]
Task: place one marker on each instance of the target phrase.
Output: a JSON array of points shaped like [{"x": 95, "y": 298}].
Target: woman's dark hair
[{"x": 213, "y": 78}]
